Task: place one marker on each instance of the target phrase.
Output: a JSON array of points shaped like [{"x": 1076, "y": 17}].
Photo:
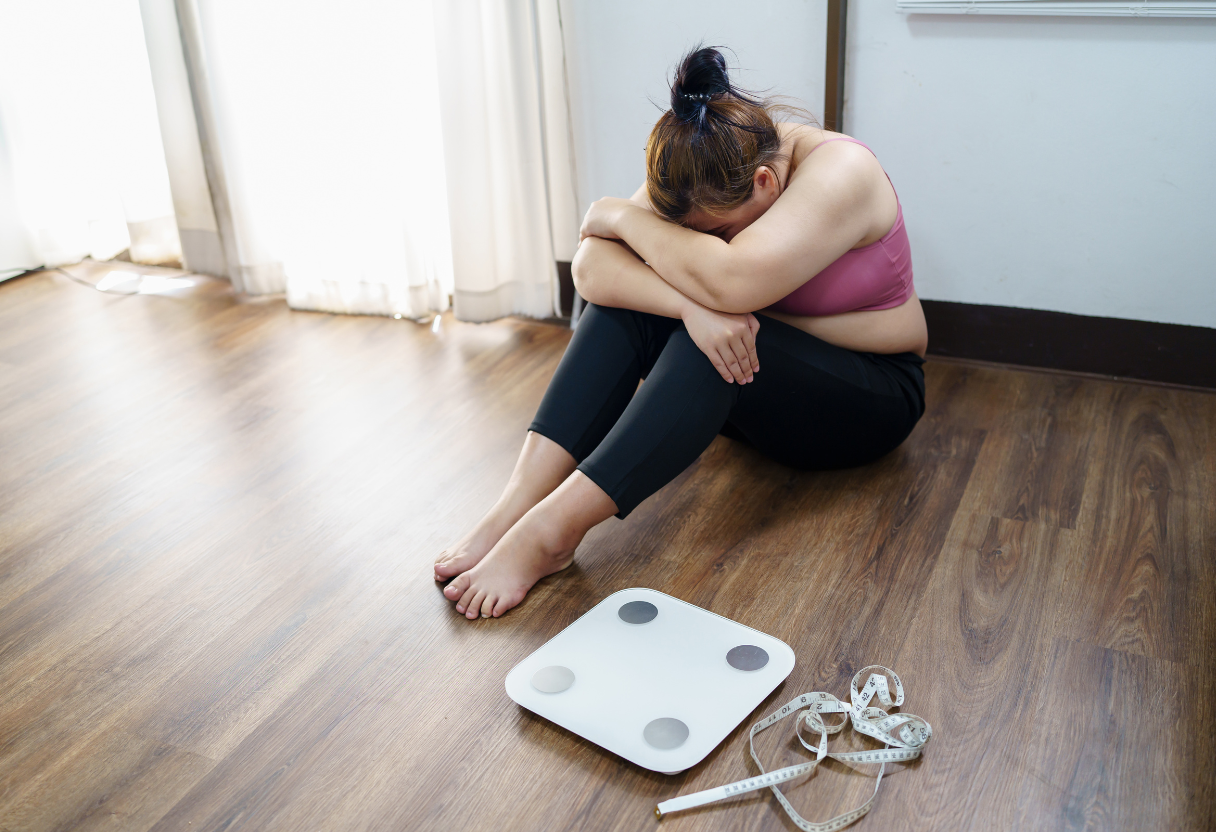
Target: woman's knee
[
  {"x": 595, "y": 309},
  {"x": 693, "y": 358},
  {"x": 685, "y": 350},
  {"x": 629, "y": 321},
  {"x": 682, "y": 356},
  {"x": 593, "y": 312}
]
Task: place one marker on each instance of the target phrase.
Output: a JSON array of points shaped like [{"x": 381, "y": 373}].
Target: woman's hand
[
  {"x": 728, "y": 340},
  {"x": 601, "y": 218}
]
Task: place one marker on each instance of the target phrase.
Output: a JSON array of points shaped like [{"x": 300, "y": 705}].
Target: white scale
[{"x": 651, "y": 678}]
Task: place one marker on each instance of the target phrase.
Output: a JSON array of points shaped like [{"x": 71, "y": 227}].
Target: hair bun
[{"x": 700, "y": 76}]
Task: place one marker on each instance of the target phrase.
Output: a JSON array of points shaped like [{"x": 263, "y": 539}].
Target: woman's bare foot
[
  {"x": 542, "y": 466},
  {"x": 541, "y": 543},
  {"x": 470, "y": 549},
  {"x": 502, "y": 579}
]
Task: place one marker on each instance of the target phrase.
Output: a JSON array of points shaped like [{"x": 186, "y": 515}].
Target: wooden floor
[{"x": 218, "y": 516}]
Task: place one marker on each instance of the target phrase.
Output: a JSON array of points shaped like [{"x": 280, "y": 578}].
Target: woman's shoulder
[
  {"x": 841, "y": 174},
  {"x": 823, "y": 154}
]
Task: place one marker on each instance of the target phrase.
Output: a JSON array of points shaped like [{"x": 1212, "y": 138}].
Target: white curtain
[
  {"x": 493, "y": 117},
  {"x": 379, "y": 157},
  {"x": 82, "y": 172}
]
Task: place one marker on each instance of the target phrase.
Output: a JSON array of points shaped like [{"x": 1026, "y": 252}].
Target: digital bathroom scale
[{"x": 651, "y": 678}]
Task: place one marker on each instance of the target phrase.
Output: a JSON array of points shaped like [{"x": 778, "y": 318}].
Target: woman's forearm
[
  {"x": 607, "y": 273},
  {"x": 695, "y": 264}
]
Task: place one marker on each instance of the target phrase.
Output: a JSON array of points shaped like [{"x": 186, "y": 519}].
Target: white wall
[
  {"x": 1047, "y": 162},
  {"x": 620, "y": 56}
]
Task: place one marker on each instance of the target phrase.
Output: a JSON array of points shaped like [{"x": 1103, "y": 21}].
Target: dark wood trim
[
  {"x": 1026, "y": 368},
  {"x": 833, "y": 87},
  {"x": 565, "y": 286},
  {"x": 1165, "y": 353}
]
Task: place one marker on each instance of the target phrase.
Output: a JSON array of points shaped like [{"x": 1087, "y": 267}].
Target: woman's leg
[
  {"x": 541, "y": 543},
  {"x": 542, "y": 466},
  {"x": 819, "y": 406},
  {"x": 813, "y": 406},
  {"x": 611, "y": 350},
  {"x": 665, "y": 426}
]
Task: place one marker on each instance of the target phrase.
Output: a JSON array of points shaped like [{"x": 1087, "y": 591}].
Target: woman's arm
[
  {"x": 607, "y": 273},
  {"x": 823, "y": 212}
]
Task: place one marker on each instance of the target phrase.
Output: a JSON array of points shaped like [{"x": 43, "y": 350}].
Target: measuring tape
[{"x": 905, "y": 735}]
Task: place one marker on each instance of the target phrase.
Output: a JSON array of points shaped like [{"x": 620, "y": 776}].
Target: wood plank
[
  {"x": 1139, "y": 582},
  {"x": 217, "y": 519},
  {"x": 113, "y": 781},
  {"x": 988, "y": 626},
  {"x": 1113, "y": 745},
  {"x": 1039, "y": 455}
]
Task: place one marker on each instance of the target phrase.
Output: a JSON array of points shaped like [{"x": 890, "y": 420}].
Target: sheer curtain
[
  {"x": 494, "y": 123},
  {"x": 82, "y": 172},
  {"x": 379, "y": 157}
]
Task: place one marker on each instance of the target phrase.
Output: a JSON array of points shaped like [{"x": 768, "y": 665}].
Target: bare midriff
[{"x": 898, "y": 329}]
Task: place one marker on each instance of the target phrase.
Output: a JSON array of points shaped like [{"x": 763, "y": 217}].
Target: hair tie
[{"x": 687, "y": 96}]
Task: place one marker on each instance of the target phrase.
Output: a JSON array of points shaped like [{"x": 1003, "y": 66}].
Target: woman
[{"x": 750, "y": 239}]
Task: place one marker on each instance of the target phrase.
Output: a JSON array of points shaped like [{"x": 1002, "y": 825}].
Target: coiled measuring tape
[{"x": 904, "y": 735}]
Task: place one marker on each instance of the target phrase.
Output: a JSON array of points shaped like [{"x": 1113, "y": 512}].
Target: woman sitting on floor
[{"x": 750, "y": 239}]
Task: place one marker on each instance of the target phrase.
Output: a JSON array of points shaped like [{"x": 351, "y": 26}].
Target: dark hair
[{"x": 704, "y": 151}]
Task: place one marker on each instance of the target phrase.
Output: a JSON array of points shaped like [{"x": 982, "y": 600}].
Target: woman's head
[{"x": 703, "y": 155}]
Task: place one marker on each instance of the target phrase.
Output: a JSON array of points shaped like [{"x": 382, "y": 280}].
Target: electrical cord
[
  {"x": 79, "y": 280},
  {"x": 64, "y": 272},
  {"x": 109, "y": 291}
]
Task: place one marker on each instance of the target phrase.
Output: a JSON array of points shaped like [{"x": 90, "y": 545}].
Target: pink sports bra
[{"x": 877, "y": 276}]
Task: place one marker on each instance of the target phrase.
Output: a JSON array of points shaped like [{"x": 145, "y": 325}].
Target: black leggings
[{"x": 811, "y": 406}]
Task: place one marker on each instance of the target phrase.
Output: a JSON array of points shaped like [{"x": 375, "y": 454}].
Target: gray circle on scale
[
  {"x": 747, "y": 657},
  {"x": 637, "y": 612},
  {"x": 665, "y": 733},
  {"x": 554, "y": 679}
]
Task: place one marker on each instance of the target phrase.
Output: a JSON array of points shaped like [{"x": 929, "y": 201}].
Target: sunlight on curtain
[
  {"x": 493, "y": 122},
  {"x": 326, "y": 119},
  {"x": 378, "y": 157},
  {"x": 82, "y": 171},
  {"x": 197, "y": 225}
]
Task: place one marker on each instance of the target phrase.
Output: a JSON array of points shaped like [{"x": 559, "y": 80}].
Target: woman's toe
[
  {"x": 473, "y": 608},
  {"x": 466, "y": 600},
  {"x": 439, "y": 563},
  {"x": 487, "y": 605},
  {"x": 457, "y": 588}
]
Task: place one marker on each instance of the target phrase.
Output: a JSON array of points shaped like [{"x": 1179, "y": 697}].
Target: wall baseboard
[
  {"x": 1142, "y": 350},
  {"x": 1166, "y": 353}
]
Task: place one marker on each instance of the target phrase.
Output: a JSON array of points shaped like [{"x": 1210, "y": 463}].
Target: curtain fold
[
  {"x": 503, "y": 254},
  {"x": 321, "y": 150},
  {"x": 202, "y": 250},
  {"x": 82, "y": 171},
  {"x": 379, "y": 157}
]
